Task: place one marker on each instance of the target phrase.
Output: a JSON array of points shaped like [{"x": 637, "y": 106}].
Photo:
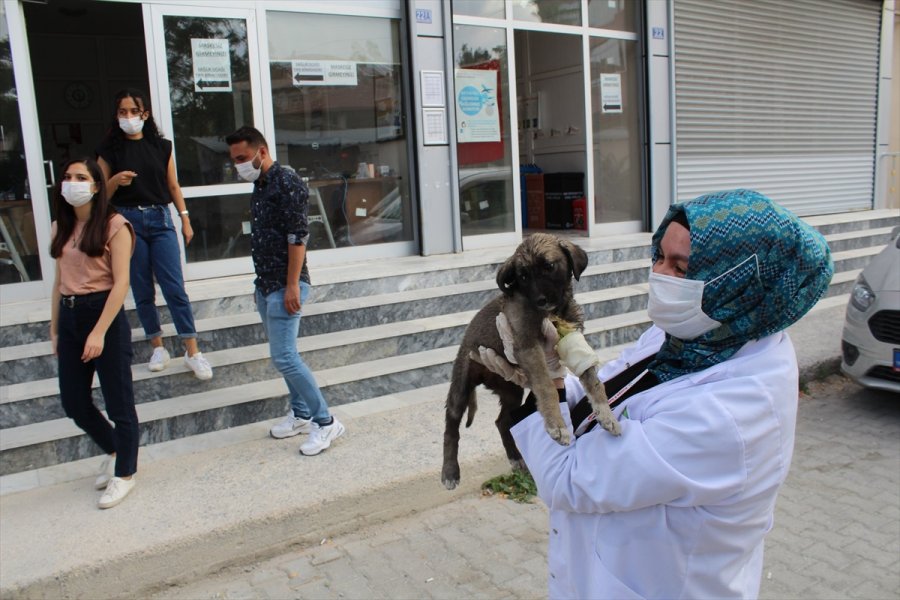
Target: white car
[{"x": 870, "y": 344}]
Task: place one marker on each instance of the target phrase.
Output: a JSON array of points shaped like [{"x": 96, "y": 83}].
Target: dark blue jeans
[
  {"x": 113, "y": 368},
  {"x": 156, "y": 253}
]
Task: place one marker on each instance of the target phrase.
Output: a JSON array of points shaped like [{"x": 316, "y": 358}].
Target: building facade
[{"x": 433, "y": 126}]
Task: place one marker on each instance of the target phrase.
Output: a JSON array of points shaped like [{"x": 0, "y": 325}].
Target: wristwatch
[{"x": 183, "y": 213}]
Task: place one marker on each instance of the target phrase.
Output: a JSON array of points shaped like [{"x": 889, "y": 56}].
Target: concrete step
[
  {"x": 359, "y": 347},
  {"x": 33, "y": 361},
  {"x": 25, "y": 322},
  {"x": 43, "y": 443},
  {"x": 28, "y": 402}
]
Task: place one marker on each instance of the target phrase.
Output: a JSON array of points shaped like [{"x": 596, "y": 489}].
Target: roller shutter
[{"x": 778, "y": 96}]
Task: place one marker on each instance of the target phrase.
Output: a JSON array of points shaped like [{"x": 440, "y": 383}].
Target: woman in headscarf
[{"x": 679, "y": 504}]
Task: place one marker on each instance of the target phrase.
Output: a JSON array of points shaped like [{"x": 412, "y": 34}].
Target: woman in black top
[{"x": 141, "y": 183}]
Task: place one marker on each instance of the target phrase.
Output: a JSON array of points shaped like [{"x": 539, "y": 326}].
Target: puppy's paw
[
  {"x": 450, "y": 476},
  {"x": 609, "y": 423},
  {"x": 518, "y": 464},
  {"x": 559, "y": 434}
]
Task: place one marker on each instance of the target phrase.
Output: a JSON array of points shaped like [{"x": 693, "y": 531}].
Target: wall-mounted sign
[
  {"x": 659, "y": 33},
  {"x": 432, "y": 88},
  {"x": 212, "y": 65},
  {"x": 423, "y": 15},
  {"x": 434, "y": 129},
  {"x": 477, "y": 113},
  {"x": 611, "y": 93},
  {"x": 323, "y": 72}
]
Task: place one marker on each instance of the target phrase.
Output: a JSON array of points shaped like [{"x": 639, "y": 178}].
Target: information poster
[
  {"x": 435, "y": 128},
  {"x": 212, "y": 65},
  {"x": 477, "y": 114}
]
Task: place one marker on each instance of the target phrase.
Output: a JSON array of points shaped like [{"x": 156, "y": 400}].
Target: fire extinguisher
[{"x": 579, "y": 213}]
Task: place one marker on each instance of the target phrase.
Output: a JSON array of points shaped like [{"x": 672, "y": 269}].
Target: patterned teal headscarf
[{"x": 775, "y": 266}]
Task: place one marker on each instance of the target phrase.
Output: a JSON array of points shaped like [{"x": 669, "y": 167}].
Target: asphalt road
[{"x": 836, "y": 535}]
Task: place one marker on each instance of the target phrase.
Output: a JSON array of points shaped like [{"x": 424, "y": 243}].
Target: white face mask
[
  {"x": 674, "y": 305},
  {"x": 247, "y": 171},
  {"x": 131, "y": 126},
  {"x": 77, "y": 193}
]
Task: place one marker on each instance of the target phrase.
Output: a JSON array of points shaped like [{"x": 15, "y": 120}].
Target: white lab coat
[{"x": 677, "y": 507}]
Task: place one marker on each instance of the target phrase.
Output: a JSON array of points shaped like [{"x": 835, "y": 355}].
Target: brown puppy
[{"x": 537, "y": 283}]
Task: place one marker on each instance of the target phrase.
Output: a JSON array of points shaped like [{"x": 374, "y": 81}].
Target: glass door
[
  {"x": 25, "y": 265},
  {"x": 208, "y": 86}
]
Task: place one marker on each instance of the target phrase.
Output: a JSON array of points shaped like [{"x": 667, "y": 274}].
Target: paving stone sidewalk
[{"x": 836, "y": 535}]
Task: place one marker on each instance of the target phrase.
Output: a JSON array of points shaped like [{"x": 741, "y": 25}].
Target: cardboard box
[{"x": 534, "y": 200}]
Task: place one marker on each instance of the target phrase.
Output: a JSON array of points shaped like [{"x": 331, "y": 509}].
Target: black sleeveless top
[{"x": 149, "y": 159}]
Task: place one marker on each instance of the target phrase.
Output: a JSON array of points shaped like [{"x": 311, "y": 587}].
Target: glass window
[
  {"x": 562, "y": 12},
  {"x": 209, "y": 85},
  {"x": 616, "y": 106},
  {"x": 19, "y": 259},
  {"x": 221, "y": 225},
  {"x": 484, "y": 146},
  {"x": 620, "y": 15},
  {"x": 480, "y": 8},
  {"x": 339, "y": 120}
]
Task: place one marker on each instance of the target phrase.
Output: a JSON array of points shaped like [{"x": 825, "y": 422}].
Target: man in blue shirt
[{"x": 280, "y": 232}]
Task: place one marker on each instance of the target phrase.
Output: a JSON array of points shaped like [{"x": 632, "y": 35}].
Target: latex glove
[
  {"x": 575, "y": 353},
  {"x": 550, "y": 335},
  {"x": 502, "y": 367}
]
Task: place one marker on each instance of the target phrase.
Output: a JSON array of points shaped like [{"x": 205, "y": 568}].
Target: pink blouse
[{"x": 81, "y": 274}]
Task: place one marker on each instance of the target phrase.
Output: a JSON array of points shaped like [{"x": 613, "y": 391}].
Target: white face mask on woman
[
  {"x": 77, "y": 193},
  {"x": 131, "y": 126},
  {"x": 674, "y": 305},
  {"x": 247, "y": 171}
]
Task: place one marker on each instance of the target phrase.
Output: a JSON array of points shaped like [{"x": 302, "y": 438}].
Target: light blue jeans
[{"x": 282, "y": 330}]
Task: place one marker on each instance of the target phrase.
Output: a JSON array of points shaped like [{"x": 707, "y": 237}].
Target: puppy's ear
[
  {"x": 506, "y": 276},
  {"x": 578, "y": 259}
]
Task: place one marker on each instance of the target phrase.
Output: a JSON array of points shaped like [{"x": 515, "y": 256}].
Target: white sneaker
[
  {"x": 106, "y": 472},
  {"x": 116, "y": 491},
  {"x": 159, "y": 360},
  {"x": 321, "y": 437},
  {"x": 199, "y": 365},
  {"x": 290, "y": 427}
]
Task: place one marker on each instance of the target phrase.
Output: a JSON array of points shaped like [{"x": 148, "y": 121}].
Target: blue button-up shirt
[{"x": 280, "y": 209}]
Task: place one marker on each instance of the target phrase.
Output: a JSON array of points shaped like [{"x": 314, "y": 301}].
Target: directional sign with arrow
[
  {"x": 611, "y": 92},
  {"x": 212, "y": 65}
]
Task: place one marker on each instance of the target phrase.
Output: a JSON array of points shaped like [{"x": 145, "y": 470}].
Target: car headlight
[{"x": 862, "y": 297}]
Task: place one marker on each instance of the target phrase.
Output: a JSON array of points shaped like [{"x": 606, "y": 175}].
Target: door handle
[{"x": 52, "y": 177}]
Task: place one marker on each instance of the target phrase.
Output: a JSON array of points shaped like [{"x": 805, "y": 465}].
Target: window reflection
[
  {"x": 562, "y": 12},
  {"x": 18, "y": 243},
  {"x": 616, "y": 105},
  {"x": 484, "y": 147},
  {"x": 338, "y": 108},
  {"x": 620, "y": 15},
  {"x": 495, "y": 9},
  {"x": 209, "y": 84}
]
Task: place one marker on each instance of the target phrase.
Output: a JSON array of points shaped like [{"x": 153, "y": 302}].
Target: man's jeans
[
  {"x": 156, "y": 252},
  {"x": 282, "y": 330}
]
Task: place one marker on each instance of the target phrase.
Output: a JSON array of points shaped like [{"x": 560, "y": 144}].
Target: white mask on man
[
  {"x": 247, "y": 171},
  {"x": 77, "y": 193},
  {"x": 131, "y": 126},
  {"x": 674, "y": 305}
]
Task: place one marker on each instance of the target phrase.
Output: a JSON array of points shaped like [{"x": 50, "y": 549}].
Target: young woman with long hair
[
  {"x": 141, "y": 183},
  {"x": 92, "y": 245}
]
